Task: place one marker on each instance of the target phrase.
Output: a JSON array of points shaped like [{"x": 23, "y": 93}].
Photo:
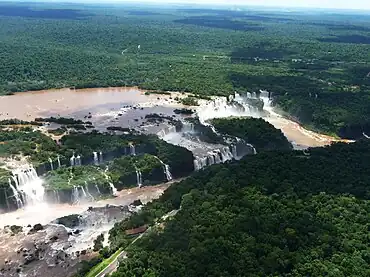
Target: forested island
[{"x": 256, "y": 131}]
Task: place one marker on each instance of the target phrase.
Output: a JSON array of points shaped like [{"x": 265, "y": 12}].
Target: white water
[
  {"x": 96, "y": 158},
  {"x": 132, "y": 150},
  {"x": 59, "y": 164},
  {"x": 75, "y": 195},
  {"x": 101, "y": 160},
  {"x": 56, "y": 196},
  {"x": 97, "y": 189},
  {"x": 51, "y": 164},
  {"x": 88, "y": 192},
  {"x": 30, "y": 185},
  {"x": 166, "y": 170},
  {"x": 84, "y": 194},
  {"x": 72, "y": 160},
  {"x": 113, "y": 188},
  {"x": 138, "y": 177},
  {"x": 16, "y": 195},
  {"x": 78, "y": 160}
]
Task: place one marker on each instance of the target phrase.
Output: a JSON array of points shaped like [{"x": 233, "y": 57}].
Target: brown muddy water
[{"x": 125, "y": 107}]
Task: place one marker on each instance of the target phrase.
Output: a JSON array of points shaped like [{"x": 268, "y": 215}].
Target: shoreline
[{"x": 109, "y": 101}]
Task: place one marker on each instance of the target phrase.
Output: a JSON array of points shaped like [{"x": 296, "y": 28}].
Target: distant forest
[{"x": 316, "y": 65}]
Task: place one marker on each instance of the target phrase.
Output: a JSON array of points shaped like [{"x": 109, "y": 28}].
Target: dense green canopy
[
  {"x": 273, "y": 214},
  {"x": 316, "y": 65}
]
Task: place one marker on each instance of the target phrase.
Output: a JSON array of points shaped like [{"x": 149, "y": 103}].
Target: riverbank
[
  {"x": 45, "y": 213},
  {"x": 127, "y": 106}
]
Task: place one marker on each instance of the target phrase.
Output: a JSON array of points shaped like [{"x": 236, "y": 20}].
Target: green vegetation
[
  {"x": 189, "y": 101},
  {"x": 123, "y": 170},
  {"x": 256, "y": 131},
  {"x": 78, "y": 176},
  {"x": 257, "y": 218},
  {"x": 34, "y": 144},
  {"x": 103, "y": 264},
  {"x": 316, "y": 66}
]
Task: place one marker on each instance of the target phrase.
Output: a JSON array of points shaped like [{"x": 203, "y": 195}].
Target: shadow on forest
[
  {"x": 239, "y": 14},
  {"x": 260, "y": 51},
  {"x": 356, "y": 39},
  {"x": 219, "y": 22}
]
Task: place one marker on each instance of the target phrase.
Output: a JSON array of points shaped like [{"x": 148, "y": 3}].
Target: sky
[
  {"x": 337, "y": 4},
  {"x": 332, "y": 4}
]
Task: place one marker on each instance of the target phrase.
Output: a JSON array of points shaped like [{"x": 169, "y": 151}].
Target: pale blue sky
[{"x": 336, "y": 4}]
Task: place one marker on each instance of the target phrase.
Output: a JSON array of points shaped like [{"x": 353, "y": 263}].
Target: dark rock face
[
  {"x": 70, "y": 221},
  {"x": 36, "y": 227}
]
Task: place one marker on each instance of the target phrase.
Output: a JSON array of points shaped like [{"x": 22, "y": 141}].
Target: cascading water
[
  {"x": 96, "y": 158},
  {"x": 132, "y": 150},
  {"x": 166, "y": 170},
  {"x": 75, "y": 195},
  {"x": 16, "y": 195},
  {"x": 234, "y": 151},
  {"x": 59, "y": 164},
  {"x": 88, "y": 192},
  {"x": 56, "y": 196},
  {"x": 253, "y": 148},
  {"x": 28, "y": 183},
  {"x": 113, "y": 188},
  {"x": 51, "y": 164},
  {"x": 97, "y": 189},
  {"x": 72, "y": 160},
  {"x": 101, "y": 160},
  {"x": 138, "y": 177},
  {"x": 78, "y": 160},
  {"x": 188, "y": 127}
]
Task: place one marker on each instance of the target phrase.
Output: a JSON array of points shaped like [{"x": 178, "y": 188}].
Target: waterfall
[
  {"x": 166, "y": 170},
  {"x": 101, "y": 157},
  {"x": 132, "y": 150},
  {"x": 200, "y": 162},
  {"x": 188, "y": 127},
  {"x": 72, "y": 160},
  {"x": 217, "y": 155},
  {"x": 59, "y": 164},
  {"x": 97, "y": 189},
  {"x": 233, "y": 151},
  {"x": 96, "y": 158},
  {"x": 226, "y": 155},
  {"x": 84, "y": 194},
  {"x": 75, "y": 195},
  {"x": 78, "y": 160},
  {"x": 171, "y": 129},
  {"x": 88, "y": 192},
  {"x": 211, "y": 158},
  {"x": 196, "y": 164},
  {"x": 16, "y": 195},
  {"x": 366, "y": 136},
  {"x": 253, "y": 148},
  {"x": 138, "y": 177},
  {"x": 56, "y": 196},
  {"x": 113, "y": 188},
  {"x": 30, "y": 185},
  {"x": 51, "y": 164}
]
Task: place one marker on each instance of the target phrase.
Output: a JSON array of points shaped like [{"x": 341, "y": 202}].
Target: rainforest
[{"x": 175, "y": 140}]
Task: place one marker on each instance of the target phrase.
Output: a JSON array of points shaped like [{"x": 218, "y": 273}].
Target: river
[{"x": 125, "y": 107}]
